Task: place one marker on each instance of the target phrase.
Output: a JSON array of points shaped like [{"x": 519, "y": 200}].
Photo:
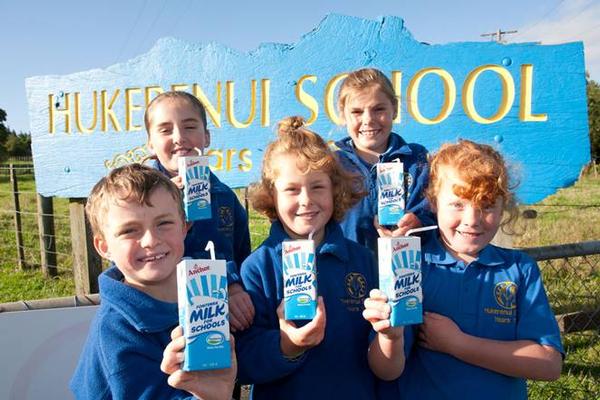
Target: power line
[
  {"x": 541, "y": 19},
  {"x": 131, "y": 30}
]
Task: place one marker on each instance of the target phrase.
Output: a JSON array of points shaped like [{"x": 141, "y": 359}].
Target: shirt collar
[
  {"x": 396, "y": 146},
  {"x": 333, "y": 243},
  {"x": 144, "y": 312},
  {"x": 434, "y": 252}
]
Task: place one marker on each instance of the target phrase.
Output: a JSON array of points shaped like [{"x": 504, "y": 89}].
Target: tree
[
  {"x": 11, "y": 143},
  {"x": 18, "y": 145},
  {"x": 593, "y": 96},
  {"x": 4, "y": 132}
]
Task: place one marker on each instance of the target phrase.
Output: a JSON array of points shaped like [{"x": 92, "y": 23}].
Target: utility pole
[{"x": 497, "y": 36}]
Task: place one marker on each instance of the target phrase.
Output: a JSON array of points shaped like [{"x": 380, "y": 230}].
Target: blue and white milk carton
[
  {"x": 299, "y": 279},
  {"x": 204, "y": 314},
  {"x": 400, "y": 278},
  {"x": 390, "y": 192},
  {"x": 195, "y": 172}
]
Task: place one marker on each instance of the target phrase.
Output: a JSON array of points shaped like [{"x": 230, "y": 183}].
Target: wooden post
[
  {"x": 503, "y": 240},
  {"x": 47, "y": 235},
  {"x": 246, "y": 202},
  {"x": 87, "y": 265},
  {"x": 18, "y": 225}
]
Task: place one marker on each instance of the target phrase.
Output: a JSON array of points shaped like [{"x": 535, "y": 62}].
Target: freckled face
[{"x": 465, "y": 229}]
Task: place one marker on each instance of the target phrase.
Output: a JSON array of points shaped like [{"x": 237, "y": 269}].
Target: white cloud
[{"x": 570, "y": 21}]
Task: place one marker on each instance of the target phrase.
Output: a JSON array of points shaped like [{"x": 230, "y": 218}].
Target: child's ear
[
  {"x": 187, "y": 226},
  {"x": 101, "y": 246},
  {"x": 342, "y": 117},
  {"x": 433, "y": 207},
  {"x": 207, "y": 141}
]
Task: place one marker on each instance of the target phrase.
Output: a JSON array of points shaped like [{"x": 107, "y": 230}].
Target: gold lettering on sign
[
  {"x": 53, "y": 110},
  {"x": 525, "y": 113},
  {"x": 412, "y": 96},
  {"x": 130, "y": 108},
  {"x": 78, "y": 123},
  {"x": 306, "y": 99},
  {"x": 230, "y": 100},
  {"x": 329, "y": 99},
  {"x": 508, "y": 94},
  {"x": 108, "y": 112}
]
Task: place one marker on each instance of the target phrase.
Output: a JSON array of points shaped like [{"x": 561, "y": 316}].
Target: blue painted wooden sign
[{"x": 528, "y": 100}]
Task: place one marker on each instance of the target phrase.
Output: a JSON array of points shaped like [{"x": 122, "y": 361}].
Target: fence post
[
  {"x": 246, "y": 202},
  {"x": 18, "y": 225},
  {"x": 87, "y": 265},
  {"x": 47, "y": 235}
]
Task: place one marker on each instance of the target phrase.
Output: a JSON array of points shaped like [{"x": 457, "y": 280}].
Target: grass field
[{"x": 569, "y": 216}]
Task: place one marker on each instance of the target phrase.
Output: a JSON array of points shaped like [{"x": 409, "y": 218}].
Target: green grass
[
  {"x": 569, "y": 216},
  {"x": 29, "y": 284}
]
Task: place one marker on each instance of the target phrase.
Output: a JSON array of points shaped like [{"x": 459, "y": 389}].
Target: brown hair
[
  {"x": 362, "y": 79},
  {"x": 132, "y": 183},
  {"x": 175, "y": 95},
  {"x": 312, "y": 154},
  {"x": 482, "y": 169}
]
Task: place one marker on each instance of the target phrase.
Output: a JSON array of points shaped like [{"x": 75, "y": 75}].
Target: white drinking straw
[
  {"x": 210, "y": 246},
  {"x": 416, "y": 230}
]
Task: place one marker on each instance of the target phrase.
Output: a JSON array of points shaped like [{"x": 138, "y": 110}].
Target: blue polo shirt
[
  {"x": 338, "y": 367},
  {"x": 498, "y": 296}
]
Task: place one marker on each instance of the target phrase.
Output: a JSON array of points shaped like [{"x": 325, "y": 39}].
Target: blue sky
[{"x": 66, "y": 36}]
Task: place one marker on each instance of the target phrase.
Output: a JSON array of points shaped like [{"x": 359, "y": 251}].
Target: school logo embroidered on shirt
[
  {"x": 505, "y": 294},
  {"x": 225, "y": 218},
  {"x": 356, "y": 285}
]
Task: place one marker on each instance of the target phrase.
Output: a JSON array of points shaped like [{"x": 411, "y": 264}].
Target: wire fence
[{"x": 571, "y": 276}]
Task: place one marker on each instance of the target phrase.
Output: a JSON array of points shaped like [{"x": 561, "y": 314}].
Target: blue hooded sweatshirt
[
  {"x": 124, "y": 348},
  {"x": 358, "y": 222}
]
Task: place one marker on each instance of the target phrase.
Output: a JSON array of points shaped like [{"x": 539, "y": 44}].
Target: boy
[{"x": 138, "y": 224}]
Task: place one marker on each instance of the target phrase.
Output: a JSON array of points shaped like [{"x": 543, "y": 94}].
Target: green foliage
[
  {"x": 18, "y": 145},
  {"x": 593, "y": 96},
  {"x": 11, "y": 143}
]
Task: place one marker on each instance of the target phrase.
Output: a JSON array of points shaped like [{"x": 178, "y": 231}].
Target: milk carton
[
  {"x": 400, "y": 278},
  {"x": 195, "y": 173},
  {"x": 204, "y": 313},
  {"x": 299, "y": 279},
  {"x": 390, "y": 192}
]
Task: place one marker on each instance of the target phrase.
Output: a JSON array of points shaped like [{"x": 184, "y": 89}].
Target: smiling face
[
  {"x": 145, "y": 242},
  {"x": 465, "y": 228},
  {"x": 304, "y": 201},
  {"x": 175, "y": 130},
  {"x": 369, "y": 114}
]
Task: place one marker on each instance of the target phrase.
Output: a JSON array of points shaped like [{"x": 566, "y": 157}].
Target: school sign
[{"x": 528, "y": 100}]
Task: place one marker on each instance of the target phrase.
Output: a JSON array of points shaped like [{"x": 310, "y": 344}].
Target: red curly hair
[{"x": 482, "y": 169}]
